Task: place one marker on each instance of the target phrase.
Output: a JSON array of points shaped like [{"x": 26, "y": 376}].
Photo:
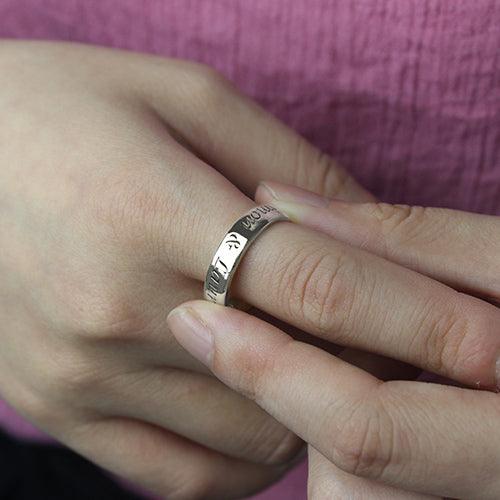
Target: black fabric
[{"x": 30, "y": 471}]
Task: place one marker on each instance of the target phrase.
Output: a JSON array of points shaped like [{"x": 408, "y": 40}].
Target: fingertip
[
  {"x": 192, "y": 333},
  {"x": 265, "y": 193},
  {"x": 269, "y": 192},
  {"x": 210, "y": 313},
  {"x": 231, "y": 326}
]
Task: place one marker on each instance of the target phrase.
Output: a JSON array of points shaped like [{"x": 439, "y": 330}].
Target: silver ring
[{"x": 232, "y": 248}]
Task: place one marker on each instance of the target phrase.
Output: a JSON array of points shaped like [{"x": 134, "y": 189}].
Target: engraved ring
[{"x": 232, "y": 248}]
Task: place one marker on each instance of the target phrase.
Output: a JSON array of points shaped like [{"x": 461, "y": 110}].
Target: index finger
[{"x": 412, "y": 435}]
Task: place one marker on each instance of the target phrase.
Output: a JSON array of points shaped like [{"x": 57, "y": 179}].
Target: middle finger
[{"x": 200, "y": 408}]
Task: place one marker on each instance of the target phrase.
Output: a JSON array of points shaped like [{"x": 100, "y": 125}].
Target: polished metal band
[{"x": 232, "y": 248}]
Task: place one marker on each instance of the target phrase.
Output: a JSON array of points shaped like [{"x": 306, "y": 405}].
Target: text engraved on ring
[
  {"x": 221, "y": 269},
  {"x": 213, "y": 283},
  {"x": 251, "y": 220},
  {"x": 232, "y": 241},
  {"x": 218, "y": 271}
]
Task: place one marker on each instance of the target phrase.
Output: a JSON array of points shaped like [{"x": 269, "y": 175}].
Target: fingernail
[
  {"x": 296, "y": 212},
  {"x": 283, "y": 192},
  {"x": 192, "y": 333}
]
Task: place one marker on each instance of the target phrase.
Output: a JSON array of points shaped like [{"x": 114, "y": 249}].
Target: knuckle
[
  {"x": 199, "y": 486},
  {"x": 364, "y": 446},
  {"x": 285, "y": 451},
  {"x": 456, "y": 341},
  {"x": 405, "y": 222},
  {"x": 252, "y": 370},
  {"x": 105, "y": 314},
  {"x": 72, "y": 373},
  {"x": 206, "y": 85},
  {"x": 247, "y": 370},
  {"x": 273, "y": 445},
  {"x": 443, "y": 332},
  {"x": 317, "y": 171},
  {"x": 316, "y": 285},
  {"x": 127, "y": 207},
  {"x": 335, "y": 180}
]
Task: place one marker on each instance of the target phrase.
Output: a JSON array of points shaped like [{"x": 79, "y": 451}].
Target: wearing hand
[{"x": 118, "y": 173}]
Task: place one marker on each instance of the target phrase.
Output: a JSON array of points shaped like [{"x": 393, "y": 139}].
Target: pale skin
[
  {"x": 119, "y": 174},
  {"x": 389, "y": 292}
]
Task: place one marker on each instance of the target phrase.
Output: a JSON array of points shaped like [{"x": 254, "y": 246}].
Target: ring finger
[{"x": 340, "y": 293}]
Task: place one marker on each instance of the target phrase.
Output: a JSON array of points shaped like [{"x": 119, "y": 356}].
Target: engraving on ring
[
  {"x": 250, "y": 221},
  {"x": 228, "y": 252},
  {"x": 221, "y": 268},
  {"x": 232, "y": 241},
  {"x": 212, "y": 286},
  {"x": 224, "y": 261},
  {"x": 216, "y": 275},
  {"x": 231, "y": 249},
  {"x": 219, "y": 273}
]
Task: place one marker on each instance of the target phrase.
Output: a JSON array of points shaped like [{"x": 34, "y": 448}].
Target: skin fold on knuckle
[
  {"x": 104, "y": 313},
  {"x": 450, "y": 340},
  {"x": 405, "y": 225},
  {"x": 126, "y": 208},
  {"x": 239, "y": 365},
  {"x": 102, "y": 297},
  {"x": 205, "y": 92},
  {"x": 335, "y": 182},
  {"x": 280, "y": 448},
  {"x": 364, "y": 443},
  {"x": 80, "y": 372},
  {"x": 315, "y": 285},
  {"x": 472, "y": 348},
  {"x": 316, "y": 171}
]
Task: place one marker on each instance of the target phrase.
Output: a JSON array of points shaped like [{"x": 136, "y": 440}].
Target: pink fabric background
[{"x": 405, "y": 93}]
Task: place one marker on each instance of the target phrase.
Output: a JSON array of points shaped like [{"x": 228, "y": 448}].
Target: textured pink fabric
[{"x": 406, "y": 94}]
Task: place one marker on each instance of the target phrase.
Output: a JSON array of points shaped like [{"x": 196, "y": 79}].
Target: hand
[
  {"x": 109, "y": 213},
  {"x": 420, "y": 437}
]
